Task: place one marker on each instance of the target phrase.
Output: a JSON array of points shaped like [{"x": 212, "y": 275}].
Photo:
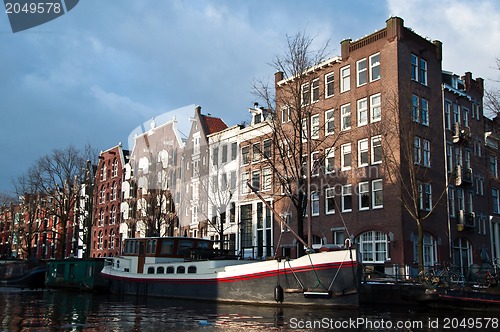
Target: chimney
[
  {"x": 344, "y": 49},
  {"x": 278, "y": 76},
  {"x": 197, "y": 109},
  {"x": 439, "y": 49},
  {"x": 394, "y": 26}
]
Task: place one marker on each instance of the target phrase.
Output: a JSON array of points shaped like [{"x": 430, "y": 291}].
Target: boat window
[
  {"x": 151, "y": 248},
  {"x": 60, "y": 270},
  {"x": 167, "y": 247},
  {"x": 151, "y": 270},
  {"x": 192, "y": 269},
  {"x": 184, "y": 246},
  {"x": 181, "y": 269},
  {"x": 127, "y": 247},
  {"x": 160, "y": 270},
  {"x": 170, "y": 270},
  {"x": 203, "y": 245}
]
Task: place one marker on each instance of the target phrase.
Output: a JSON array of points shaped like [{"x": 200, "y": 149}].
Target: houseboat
[
  {"x": 190, "y": 268},
  {"x": 22, "y": 274},
  {"x": 76, "y": 274}
]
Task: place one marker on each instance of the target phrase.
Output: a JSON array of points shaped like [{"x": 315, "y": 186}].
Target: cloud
[{"x": 469, "y": 30}]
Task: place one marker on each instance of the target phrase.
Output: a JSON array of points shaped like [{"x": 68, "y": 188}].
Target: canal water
[{"x": 49, "y": 310}]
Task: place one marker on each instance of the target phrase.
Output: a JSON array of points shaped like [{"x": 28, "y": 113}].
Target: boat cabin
[{"x": 172, "y": 247}]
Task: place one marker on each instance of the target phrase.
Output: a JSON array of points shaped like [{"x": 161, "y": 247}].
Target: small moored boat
[
  {"x": 189, "y": 268},
  {"x": 76, "y": 273}
]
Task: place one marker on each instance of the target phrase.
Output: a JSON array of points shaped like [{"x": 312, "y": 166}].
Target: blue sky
[{"x": 105, "y": 67}]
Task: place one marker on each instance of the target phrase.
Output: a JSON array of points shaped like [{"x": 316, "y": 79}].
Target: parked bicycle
[{"x": 436, "y": 276}]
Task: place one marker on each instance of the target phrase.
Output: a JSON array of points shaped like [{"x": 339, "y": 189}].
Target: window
[
  {"x": 363, "y": 152},
  {"x": 447, "y": 114},
  {"x": 232, "y": 180},
  {"x": 362, "y": 72},
  {"x": 267, "y": 149},
  {"x": 456, "y": 114},
  {"x": 304, "y": 129},
  {"x": 315, "y": 90},
  {"x": 425, "y": 192},
  {"x": 329, "y": 85},
  {"x": 256, "y": 180},
  {"x": 414, "y": 67},
  {"x": 245, "y": 155},
  {"x": 417, "y": 153},
  {"x": 451, "y": 202},
  {"x": 330, "y": 161},
  {"x": 329, "y": 200},
  {"x": 362, "y": 112},
  {"x": 346, "y": 156},
  {"x": 426, "y": 160},
  {"x": 266, "y": 179},
  {"x": 458, "y": 156},
  {"x": 114, "y": 169},
  {"x": 460, "y": 199},
  {"x": 373, "y": 246},
  {"x": 495, "y": 200},
  {"x": 112, "y": 215},
  {"x": 415, "y": 108},
  {"x": 305, "y": 93},
  {"x": 224, "y": 154},
  {"x": 465, "y": 112},
  {"x": 315, "y": 165},
  {"x": 377, "y": 194},
  {"x": 315, "y": 203},
  {"x": 339, "y": 237},
  {"x": 256, "y": 152},
  {"x": 345, "y": 120},
  {"x": 347, "y": 198},
  {"x": 479, "y": 186},
  {"x": 329, "y": 123},
  {"x": 375, "y": 107},
  {"x": 449, "y": 157},
  {"x": 244, "y": 180},
  {"x": 493, "y": 166},
  {"x": 430, "y": 250},
  {"x": 376, "y": 149},
  {"x": 423, "y": 72},
  {"x": 364, "y": 196},
  {"x": 215, "y": 156},
  {"x": 315, "y": 126},
  {"x": 375, "y": 67},
  {"x": 285, "y": 114},
  {"x": 234, "y": 150},
  {"x": 425, "y": 111},
  {"x": 345, "y": 79}
]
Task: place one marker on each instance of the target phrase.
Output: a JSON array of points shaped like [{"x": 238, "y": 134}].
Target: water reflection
[{"x": 67, "y": 311}]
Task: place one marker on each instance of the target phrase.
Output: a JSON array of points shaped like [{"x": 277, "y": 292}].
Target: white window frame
[
  {"x": 495, "y": 200},
  {"x": 329, "y": 160},
  {"x": 330, "y": 199},
  {"x": 285, "y": 114},
  {"x": 346, "y": 192},
  {"x": 244, "y": 187},
  {"x": 426, "y": 153},
  {"x": 361, "y": 73},
  {"x": 329, "y": 84},
  {"x": 346, "y": 150},
  {"x": 414, "y": 67},
  {"x": 315, "y": 90},
  {"x": 315, "y": 204},
  {"x": 266, "y": 179},
  {"x": 377, "y": 189},
  {"x": 376, "y": 107},
  {"x": 376, "y": 141},
  {"x": 329, "y": 120},
  {"x": 345, "y": 114},
  {"x": 424, "y": 111},
  {"x": 362, "y": 107},
  {"x": 374, "y": 65},
  {"x": 363, "y": 151},
  {"x": 315, "y": 126},
  {"x": 422, "y": 74},
  {"x": 363, "y": 190},
  {"x": 305, "y": 93},
  {"x": 451, "y": 202},
  {"x": 345, "y": 79}
]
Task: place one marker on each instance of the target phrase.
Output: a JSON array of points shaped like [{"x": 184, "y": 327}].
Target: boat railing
[{"x": 210, "y": 254}]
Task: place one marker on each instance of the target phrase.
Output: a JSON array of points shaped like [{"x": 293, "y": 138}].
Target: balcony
[
  {"x": 461, "y": 134},
  {"x": 463, "y": 176},
  {"x": 466, "y": 220}
]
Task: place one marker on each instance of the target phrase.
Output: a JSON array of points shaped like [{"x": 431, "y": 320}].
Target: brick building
[
  {"x": 106, "y": 236},
  {"x": 377, "y": 158}
]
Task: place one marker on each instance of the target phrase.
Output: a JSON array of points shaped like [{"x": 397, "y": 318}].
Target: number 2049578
[{"x": 33, "y": 8}]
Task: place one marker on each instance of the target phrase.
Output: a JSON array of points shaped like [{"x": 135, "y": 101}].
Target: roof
[{"x": 211, "y": 124}]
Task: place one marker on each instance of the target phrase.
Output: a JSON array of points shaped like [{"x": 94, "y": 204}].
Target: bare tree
[
  {"x": 295, "y": 131},
  {"x": 406, "y": 152},
  {"x": 492, "y": 96},
  {"x": 57, "y": 177}
]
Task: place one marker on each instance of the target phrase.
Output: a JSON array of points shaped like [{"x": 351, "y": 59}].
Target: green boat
[{"x": 77, "y": 274}]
